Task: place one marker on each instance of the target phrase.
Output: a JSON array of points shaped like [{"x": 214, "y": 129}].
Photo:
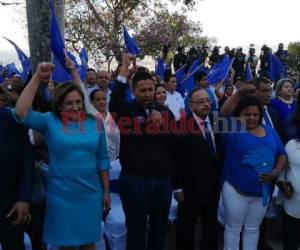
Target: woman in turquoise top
[{"x": 78, "y": 185}]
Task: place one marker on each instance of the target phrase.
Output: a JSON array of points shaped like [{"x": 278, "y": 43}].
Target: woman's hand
[
  {"x": 44, "y": 71},
  {"x": 68, "y": 62},
  {"x": 106, "y": 200},
  {"x": 268, "y": 177}
]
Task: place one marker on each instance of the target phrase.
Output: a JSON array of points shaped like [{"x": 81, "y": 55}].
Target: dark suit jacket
[
  {"x": 16, "y": 160},
  {"x": 197, "y": 171},
  {"x": 142, "y": 152}
]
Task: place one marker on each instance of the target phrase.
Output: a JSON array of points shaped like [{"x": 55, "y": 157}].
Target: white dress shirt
[{"x": 175, "y": 103}]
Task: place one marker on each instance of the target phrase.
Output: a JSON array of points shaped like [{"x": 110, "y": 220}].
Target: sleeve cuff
[
  {"x": 122, "y": 79},
  {"x": 178, "y": 190},
  {"x": 104, "y": 165}
]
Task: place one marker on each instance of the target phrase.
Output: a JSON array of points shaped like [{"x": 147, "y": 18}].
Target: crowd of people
[{"x": 225, "y": 152}]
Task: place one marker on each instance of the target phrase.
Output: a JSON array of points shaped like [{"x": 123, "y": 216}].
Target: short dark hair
[
  {"x": 258, "y": 81},
  {"x": 168, "y": 77},
  {"x": 140, "y": 76},
  {"x": 246, "y": 102},
  {"x": 91, "y": 69},
  {"x": 190, "y": 95},
  {"x": 93, "y": 93},
  {"x": 199, "y": 75},
  {"x": 159, "y": 85}
]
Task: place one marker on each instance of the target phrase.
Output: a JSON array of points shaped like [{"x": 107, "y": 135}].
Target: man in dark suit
[
  {"x": 196, "y": 175},
  {"x": 146, "y": 158},
  {"x": 16, "y": 181}
]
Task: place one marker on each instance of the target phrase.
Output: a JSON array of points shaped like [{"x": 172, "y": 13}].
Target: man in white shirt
[
  {"x": 103, "y": 80},
  {"x": 174, "y": 100},
  {"x": 91, "y": 81}
]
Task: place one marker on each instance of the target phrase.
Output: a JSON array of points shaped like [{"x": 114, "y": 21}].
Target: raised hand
[
  {"x": 44, "y": 70},
  {"x": 68, "y": 62}
]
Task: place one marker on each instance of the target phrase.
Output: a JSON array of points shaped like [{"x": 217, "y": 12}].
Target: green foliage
[
  {"x": 97, "y": 25},
  {"x": 294, "y": 59}
]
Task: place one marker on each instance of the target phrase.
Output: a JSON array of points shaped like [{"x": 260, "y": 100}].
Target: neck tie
[
  {"x": 209, "y": 139},
  {"x": 266, "y": 117}
]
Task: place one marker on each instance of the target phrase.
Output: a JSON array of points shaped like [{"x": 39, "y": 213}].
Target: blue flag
[
  {"x": 248, "y": 73},
  {"x": 160, "y": 68},
  {"x": 23, "y": 59},
  {"x": 180, "y": 75},
  {"x": 189, "y": 80},
  {"x": 130, "y": 43},
  {"x": 84, "y": 61},
  {"x": 1, "y": 71},
  {"x": 220, "y": 71},
  {"x": 57, "y": 42},
  {"x": 195, "y": 64},
  {"x": 276, "y": 68},
  {"x": 59, "y": 73},
  {"x": 11, "y": 69}
]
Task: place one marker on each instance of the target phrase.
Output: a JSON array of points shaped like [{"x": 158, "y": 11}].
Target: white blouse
[{"x": 292, "y": 207}]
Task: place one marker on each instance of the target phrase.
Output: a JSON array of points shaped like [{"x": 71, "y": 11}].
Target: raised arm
[
  {"x": 117, "y": 104},
  {"x": 24, "y": 104},
  {"x": 230, "y": 104},
  {"x": 76, "y": 79},
  {"x": 218, "y": 93}
]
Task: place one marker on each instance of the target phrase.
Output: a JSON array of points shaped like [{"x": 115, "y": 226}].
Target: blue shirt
[
  {"x": 284, "y": 110},
  {"x": 244, "y": 177}
]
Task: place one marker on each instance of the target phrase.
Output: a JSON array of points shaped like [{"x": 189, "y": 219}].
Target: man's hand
[
  {"x": 21, "y": 209},
  {"x": 44, "y": 71},
  {"x": 68, "y": 62},
  {"x": 127, "y": 59},
  {"x": 156, "y": 117},
  {"x": 179, "y": 196}
]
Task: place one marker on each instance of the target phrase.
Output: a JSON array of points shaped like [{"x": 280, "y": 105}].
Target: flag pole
[
  {"x": 191, "y": 73},
  {"x": 180, "y": 68},
  {"x": 228, "y": 69}
]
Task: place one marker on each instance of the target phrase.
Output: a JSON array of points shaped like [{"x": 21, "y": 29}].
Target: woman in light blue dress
[{"x": 78, "y": 185}]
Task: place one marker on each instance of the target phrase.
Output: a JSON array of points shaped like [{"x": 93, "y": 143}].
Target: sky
[{"x": 232, "y": 22}]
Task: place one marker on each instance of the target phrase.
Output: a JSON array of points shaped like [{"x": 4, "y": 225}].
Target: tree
[
  {"x": 294, "y": 59},
  {"x": 38, "y": 22},
  {"x": 97, "y": 25},
  {"x": 165, "y": 28}
]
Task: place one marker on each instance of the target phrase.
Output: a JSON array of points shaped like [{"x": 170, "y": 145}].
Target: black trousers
[
  {"x": 11, "y": 237},
  {"x": 291, "y": 232},
  {"x": 187, "y": 215},
  {"x": 35, "y": 227},
  {"x": 146, "y": 203}
]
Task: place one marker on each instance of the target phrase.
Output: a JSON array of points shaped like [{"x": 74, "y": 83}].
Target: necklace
[{"x": 288, "y": 103}]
